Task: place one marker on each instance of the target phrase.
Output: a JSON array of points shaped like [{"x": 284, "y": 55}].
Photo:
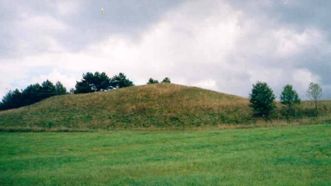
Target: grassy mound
[{"x": 158, "y": 105}]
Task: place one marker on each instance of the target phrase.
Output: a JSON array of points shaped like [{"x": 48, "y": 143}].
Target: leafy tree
[
  {"x": 120, "y": 81},
  {"x": 31, "y": 94},
  {"x": 11, "y": 100},
  {"x": 60, "y": 89},
  {"x": 93, "y": 82},
  {"x": 289, "y": 98},
  {"x": 314, "y": 92},
  {"x": 262, "y": 100},
  {"x": 47, "y": 90},
  {"x": 166, "y": 80},
  {"x": 82, "y": 87},
  {"x": 100, "y": 81},
  {"x": 152, "y": 81}
]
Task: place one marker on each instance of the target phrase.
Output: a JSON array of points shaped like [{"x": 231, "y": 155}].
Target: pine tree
[{"x": 262, "y": 100}]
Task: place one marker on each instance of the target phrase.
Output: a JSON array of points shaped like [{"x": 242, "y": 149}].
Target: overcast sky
[{"x": 223, "y": 45}]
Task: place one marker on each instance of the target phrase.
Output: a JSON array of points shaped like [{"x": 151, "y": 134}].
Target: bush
[
  {"x": 166, "y": 80},
  {"x": 152, "y": 81}
]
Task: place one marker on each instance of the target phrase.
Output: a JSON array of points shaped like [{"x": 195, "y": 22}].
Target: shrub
[
  {"x": 152, "y": 81},
  {"x": 166, "y": 80}
]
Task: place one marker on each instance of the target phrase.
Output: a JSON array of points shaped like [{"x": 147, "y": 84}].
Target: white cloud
[
  {"x": 66, "y": 79},
  {"x": 37, "y": 34},
  {"x": 201, "y": 43},
  {"x": 208, "y": 84},
  {"x": 67, "y": 8},
  {"x": 290, "y": 43}
]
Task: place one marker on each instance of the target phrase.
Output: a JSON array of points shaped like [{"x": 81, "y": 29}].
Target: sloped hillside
[{"x": 157, "y": 105}]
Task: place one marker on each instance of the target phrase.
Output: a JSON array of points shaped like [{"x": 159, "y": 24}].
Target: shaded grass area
[{"x": 288, "y": 155}]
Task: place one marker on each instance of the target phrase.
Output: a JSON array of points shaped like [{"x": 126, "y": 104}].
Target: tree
[
  {"x": 82, "y": 87},
  {"x": 120, "y": 81},
  {"x": 262, "y": 100},
  {"x": 31, "y": 94},
  {"x": 152, "y": 81},
  {"x": 60, "y": 89},
  {"x": 11, "y": 100},
  {"x": 47, "y": 90},
  {"x": 289, "y": 98},
  {"x": 100, "y": 81},
  {"x": 166, "y": 80},
  {"x": 314, "y": 92},
  {"x": 93, "y": 82}
]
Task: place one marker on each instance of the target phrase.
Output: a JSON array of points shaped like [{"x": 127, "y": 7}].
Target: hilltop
[{"x": 157, "y": 105}]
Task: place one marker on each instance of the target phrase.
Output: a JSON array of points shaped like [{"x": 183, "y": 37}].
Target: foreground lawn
[{"x": 264, "y": 156}]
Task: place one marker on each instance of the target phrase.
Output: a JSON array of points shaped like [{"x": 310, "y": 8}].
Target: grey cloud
[
  {"x": 190, "y": 41},
  {"x": 300, "y": 16},
  {"x": 85, "y": 23}
]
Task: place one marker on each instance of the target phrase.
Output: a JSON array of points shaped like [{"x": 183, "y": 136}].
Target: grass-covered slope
[
  {"x": 158, "y": 105},
  {"x": 260, "y": 156}
]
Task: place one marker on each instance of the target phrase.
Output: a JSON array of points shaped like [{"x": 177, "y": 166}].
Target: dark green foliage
[
  {"x": 11, "y": 100},
  {"x": 262, "y": 100},
  {"x": 166, "y": 80},
  {"x": 31, "y": 94},
  {"x": 289, "y": 98},
  {"x": 82, "y": 87},
  {"x": 47, "y": 89},
  {"x": 120, "y": 81},
  {"x": 93, "y": 82},
  {"x": 60, "y": 89},
  {"x": 152, "y": 81}
]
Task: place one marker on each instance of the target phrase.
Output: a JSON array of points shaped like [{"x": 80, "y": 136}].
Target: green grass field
[{"x": 292, "y": 155}]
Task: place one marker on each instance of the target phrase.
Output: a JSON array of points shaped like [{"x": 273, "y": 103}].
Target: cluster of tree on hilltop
[
  {"x": 31, "y": 94},
  {"x": 155, "y": 81},
  {"x": 100, "y": 82},
  {"x": 90, "y": 82}
]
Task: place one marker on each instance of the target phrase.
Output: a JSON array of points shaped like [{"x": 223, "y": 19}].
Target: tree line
[
  {"x": 31, "y": 94},
  {"x": 90, "y": 82},
  {"x": 262, "y": 100}
]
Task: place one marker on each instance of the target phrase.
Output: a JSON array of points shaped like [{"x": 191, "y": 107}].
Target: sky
[{"x": 223, "y": 45}]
